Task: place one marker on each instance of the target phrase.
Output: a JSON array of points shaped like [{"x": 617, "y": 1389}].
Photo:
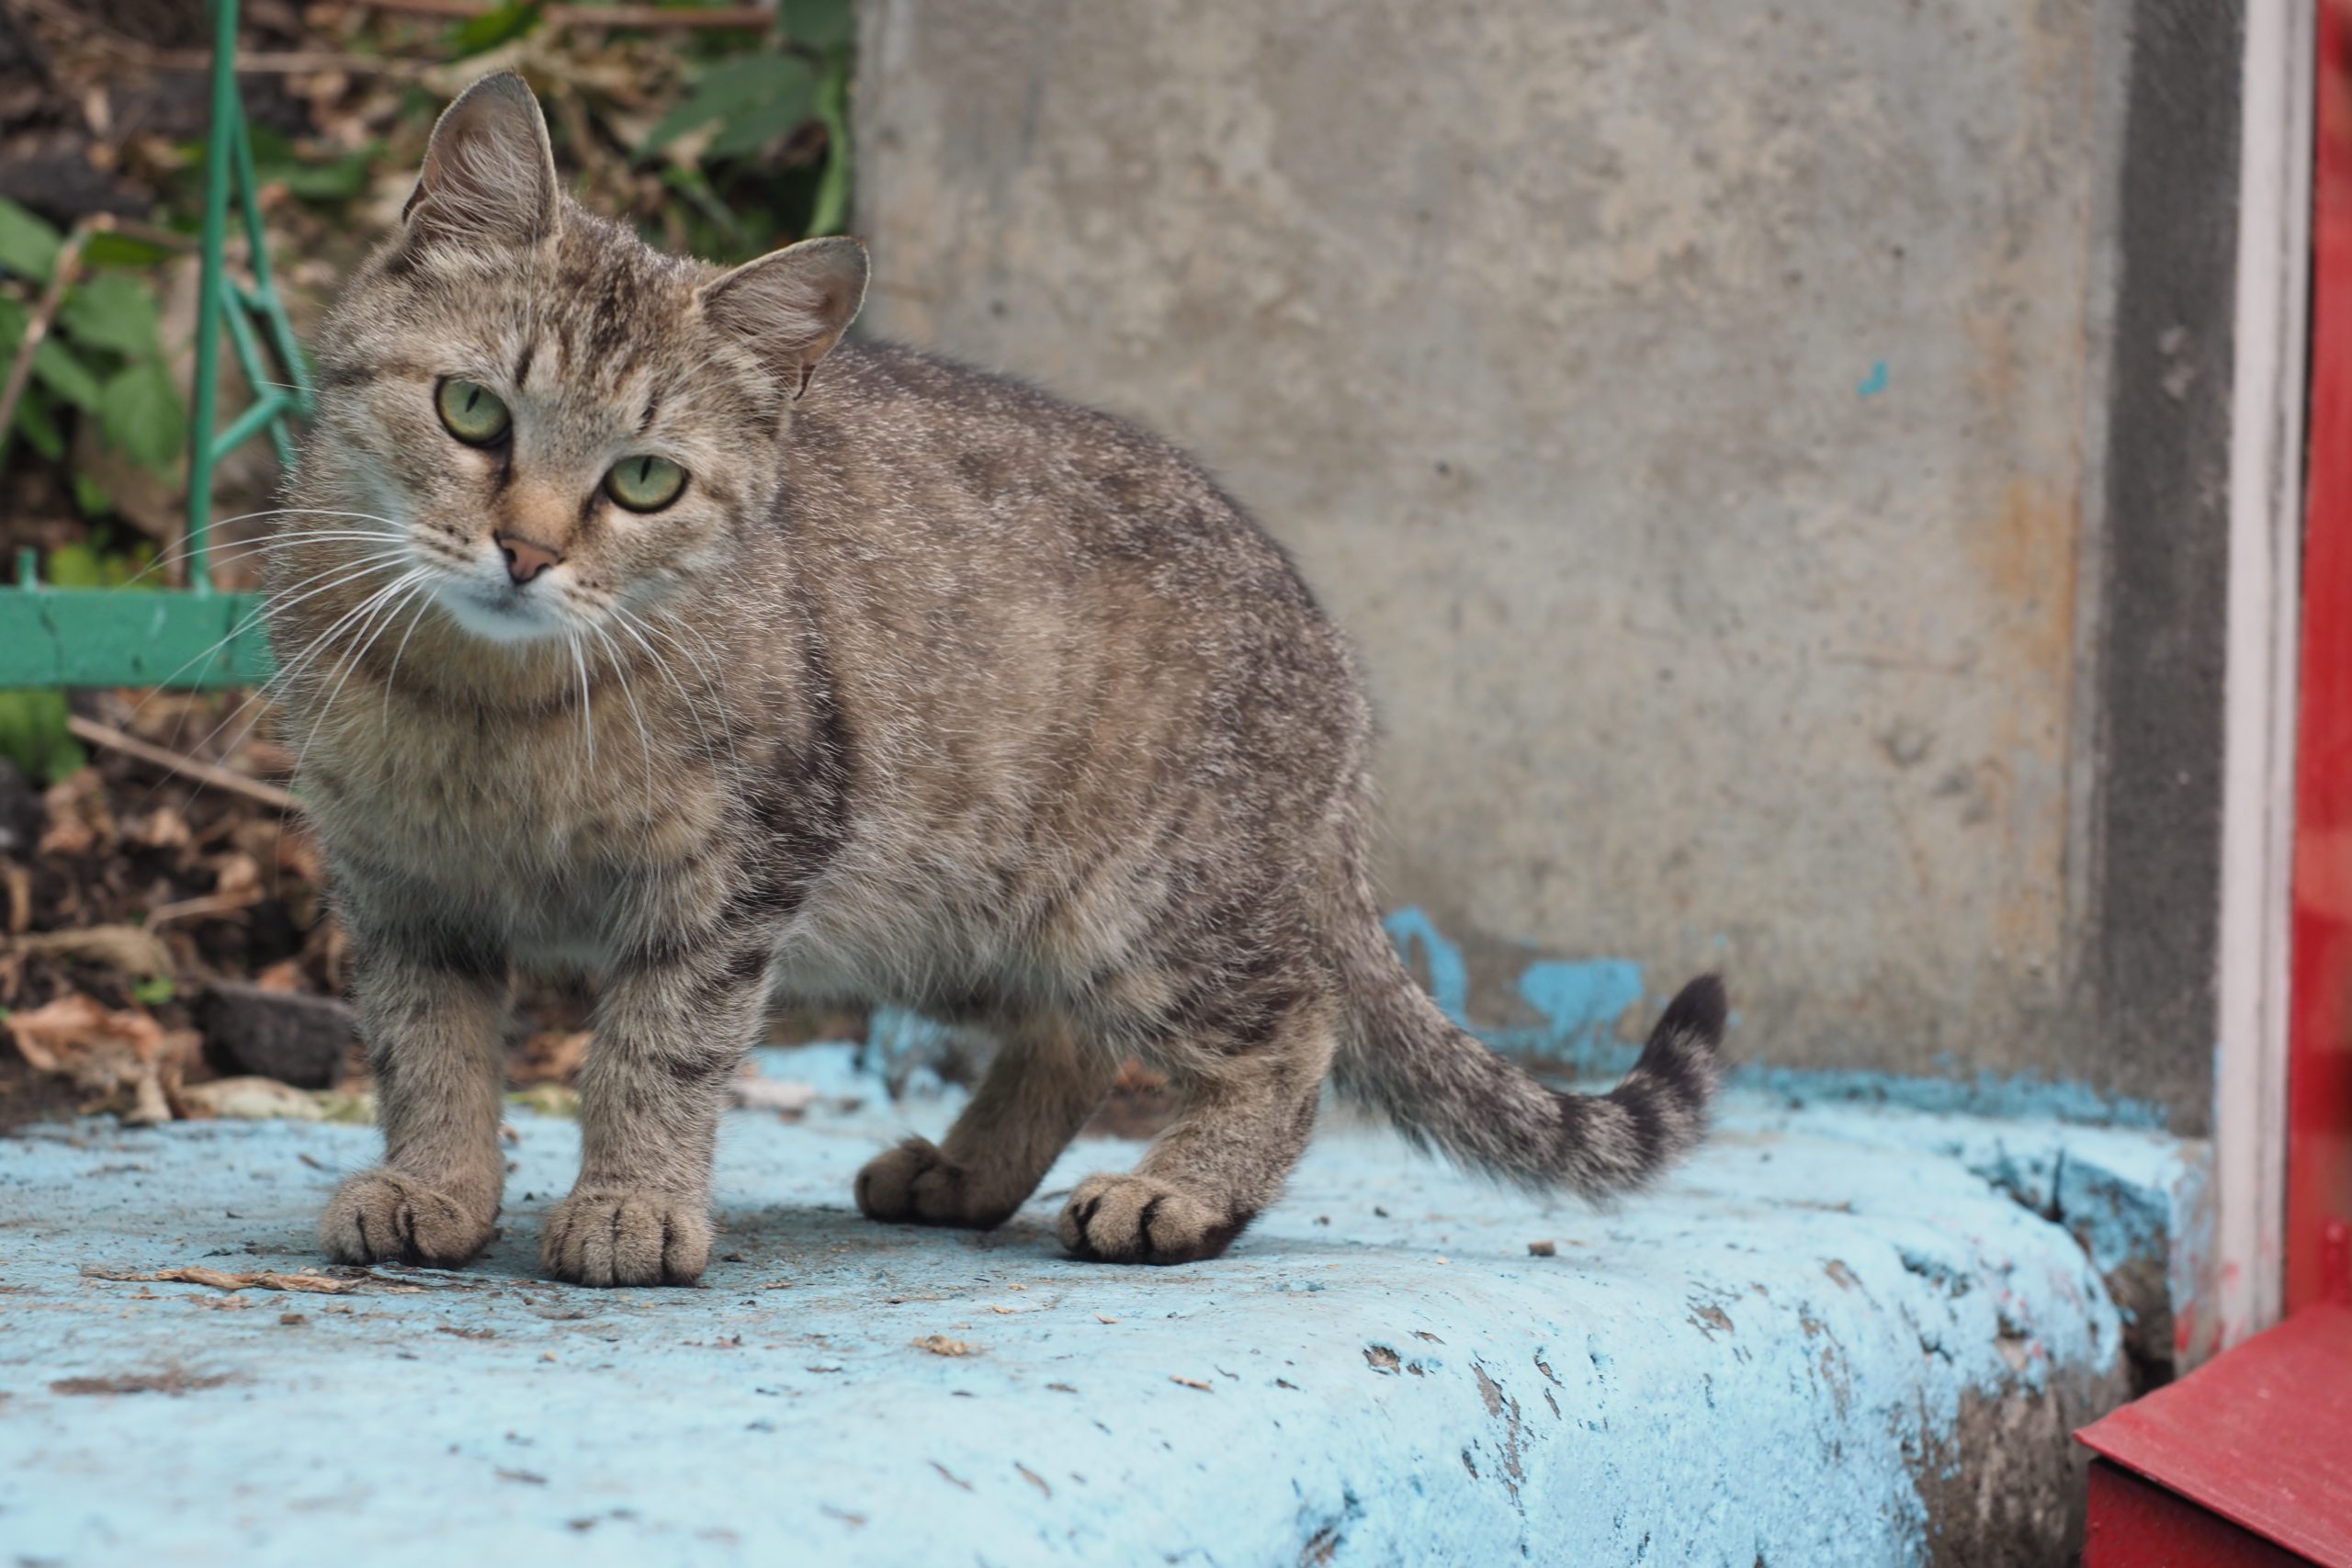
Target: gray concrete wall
[{"x": 1696, "y": 411}]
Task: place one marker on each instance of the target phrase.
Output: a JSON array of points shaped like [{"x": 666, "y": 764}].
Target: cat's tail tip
[{"x": 1441, "y": 1085}]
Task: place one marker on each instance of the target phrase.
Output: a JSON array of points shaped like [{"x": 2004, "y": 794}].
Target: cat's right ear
[{"x": 489, "y": 175}]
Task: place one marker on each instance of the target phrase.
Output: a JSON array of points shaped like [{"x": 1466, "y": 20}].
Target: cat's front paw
[
  {"x": 914, "y": 1184},
  {"x": 387, "y": 1216},
  {"x": 1140, "y": 1219},
  {"x": 625, "y": 1237}
]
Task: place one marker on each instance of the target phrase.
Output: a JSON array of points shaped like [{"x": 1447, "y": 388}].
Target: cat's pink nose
[{"x": 525, "y": 559}]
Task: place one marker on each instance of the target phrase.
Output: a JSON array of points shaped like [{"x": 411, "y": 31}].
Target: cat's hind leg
[
  {"x": 1250, "y": 1092},
  {"x": 1045, "y": 1081}
]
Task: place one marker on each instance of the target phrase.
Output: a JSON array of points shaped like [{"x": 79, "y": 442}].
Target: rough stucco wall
[{"x": 1683, "y": 404}]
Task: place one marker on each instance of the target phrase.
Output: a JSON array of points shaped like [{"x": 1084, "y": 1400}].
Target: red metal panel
[
  {"x": 2135, "y": 1523},
  {"x": 2261, "y": 1436},
  {"x": 2319, "y": 1181}
]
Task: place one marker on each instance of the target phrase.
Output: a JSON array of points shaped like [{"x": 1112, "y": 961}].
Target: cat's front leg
[
  {"x": 433, "y": 1012},
  {"x": 672, "y": 1028}
]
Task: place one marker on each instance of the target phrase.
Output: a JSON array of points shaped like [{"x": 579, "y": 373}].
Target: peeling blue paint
[
  {"x": 1585, "y": 1002},
  {"x": 1874, "y": 383},
  {"x": 1449, "y": 978},
  {"x": 1791, "y": 1303},
  {"x": 1580, "y": 1002},
  {"x": 2024, "y": 1096}
]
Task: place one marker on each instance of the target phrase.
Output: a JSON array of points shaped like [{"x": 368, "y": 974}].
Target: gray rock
[{"x": 297, "y": 1039}]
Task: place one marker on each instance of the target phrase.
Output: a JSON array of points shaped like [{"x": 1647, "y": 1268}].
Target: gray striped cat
[{"x": 633, "y": 621}]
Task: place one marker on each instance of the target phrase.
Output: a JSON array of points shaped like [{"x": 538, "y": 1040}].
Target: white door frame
[{"x": 2269, "y": 386}]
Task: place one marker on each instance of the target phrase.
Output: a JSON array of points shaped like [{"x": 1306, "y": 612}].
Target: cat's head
[{"x": 544, "y": 416}]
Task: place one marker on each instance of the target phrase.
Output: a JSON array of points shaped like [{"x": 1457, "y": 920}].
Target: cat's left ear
[{"x": 791, "y": 306}]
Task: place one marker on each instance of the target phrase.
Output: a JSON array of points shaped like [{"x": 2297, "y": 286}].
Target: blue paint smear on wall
[
  {"x": 1449, "y": 979},
  {"x": 1874, "y": 383},
  {"x": 1582, "y": 1003}
]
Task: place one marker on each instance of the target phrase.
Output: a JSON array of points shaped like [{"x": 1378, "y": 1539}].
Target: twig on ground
[
  {"x": 61, "y": 278},
  {"x": 595, "y": 16},
  {"x": 313, "y": 1284},
  {"x": 209, "y": 904},
  {"x": 130, "y": 745}
]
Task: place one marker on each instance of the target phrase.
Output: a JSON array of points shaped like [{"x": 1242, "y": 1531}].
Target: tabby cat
[{"x": 632, "y": 621}]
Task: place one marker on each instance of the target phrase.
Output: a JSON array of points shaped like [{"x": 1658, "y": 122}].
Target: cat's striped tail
[{"x": 1445, "y": 1089}]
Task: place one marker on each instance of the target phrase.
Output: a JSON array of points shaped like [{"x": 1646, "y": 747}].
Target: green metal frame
[{"x": 194, "y": 637}]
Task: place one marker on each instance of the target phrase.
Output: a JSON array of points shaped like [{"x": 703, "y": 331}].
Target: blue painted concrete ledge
[{"x": 1843, "y": 1334}]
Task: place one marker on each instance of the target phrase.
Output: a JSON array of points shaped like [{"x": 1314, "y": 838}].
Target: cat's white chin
[{"x": 509, "y": 618}]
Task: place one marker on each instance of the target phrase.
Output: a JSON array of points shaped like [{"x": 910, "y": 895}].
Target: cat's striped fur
[{"x": 928, "y": 690}]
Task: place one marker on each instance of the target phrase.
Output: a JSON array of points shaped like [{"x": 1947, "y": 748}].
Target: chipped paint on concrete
[
  {"x": 1595, "y": 1012},
  {"x": 1380, "y": 1371}
]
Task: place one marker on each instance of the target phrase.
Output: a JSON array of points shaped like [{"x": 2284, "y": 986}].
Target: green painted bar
[
  {"x": 102, "y": 637},
  {"x": 269, "y": 406}
]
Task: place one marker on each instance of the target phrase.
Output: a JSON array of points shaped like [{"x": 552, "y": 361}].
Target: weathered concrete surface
[
  {"x": 1385, "y": 1374},
  {"x": 1685, "y": 405}
]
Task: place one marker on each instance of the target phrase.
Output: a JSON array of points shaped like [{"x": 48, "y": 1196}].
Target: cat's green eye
[
  {"x": 472, "y": 412},
  {"x": 645, "y": 483}
]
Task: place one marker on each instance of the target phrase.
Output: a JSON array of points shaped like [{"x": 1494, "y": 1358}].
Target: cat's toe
[
  {"x": 388, "y": 1216},
  {"x": 626, "y": 1237},
  {"x": 915, "y": 1184},
  {"x": 1140, "y": 1219}
]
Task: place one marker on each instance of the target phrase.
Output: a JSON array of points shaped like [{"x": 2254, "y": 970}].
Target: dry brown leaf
[
  {"x": 19, "y": 879},
  {"x": 127, "y": 948},
  {"x": 79, "y": 821},
  {"x": 940, "y": 1345},
  {"x": 162, "y": 829},
  {"x": 285, "y": 975},
  {"x": 249, "y": 1100},
  {"x": 236, "y": 874},
  {"x": 118, "y": 1056},
  {"x": 788, "y": 1097},
  {"x": 550, "y": 1056},
  {"x": 1193, "y": 1382}
]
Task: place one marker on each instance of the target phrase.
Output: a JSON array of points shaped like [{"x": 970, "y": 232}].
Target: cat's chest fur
[{"x": 511, "y": 820}]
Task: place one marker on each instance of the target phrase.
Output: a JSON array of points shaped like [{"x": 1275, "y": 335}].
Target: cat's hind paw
[
  {"x": 1140, "y": 1219},
  {"x": 915, "y": 1184}
]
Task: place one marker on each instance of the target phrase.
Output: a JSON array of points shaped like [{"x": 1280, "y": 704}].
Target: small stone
[
  {"x": 22, "y": 815},
  {"x": 296, "y": 1039},
  {"x": 1542, "y": 1249}
]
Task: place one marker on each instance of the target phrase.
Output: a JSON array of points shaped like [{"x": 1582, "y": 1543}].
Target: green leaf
[
  {"x": 65, "y": 375},
  {"x": 38, "y": 425},
  {"x": 750, "y": 130},
  {"x": 27, "y": 245},
  {"x": 74, "y": 566},
  {"x": 736, "y": 87},
  {"x": 34, "y": 737},
  {"x": 113, "y": 311},
  {"x": 493, "y": 27},
  {"x": 819, "y": 24},
  {"x": 153, "y": 991},
  {"x": 829, "y": 213},
  {"x": 103, "y": 249},
  {"x": 277, "y": 162},
  {"x": 142, "y": 416},
  {"x": 90, "y": 497}
]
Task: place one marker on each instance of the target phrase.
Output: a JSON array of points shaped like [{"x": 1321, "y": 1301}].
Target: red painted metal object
[
  {"x": 2254, "y": 1447},
  {"x": 2319, "y": 1175},
  {"x": 2135, "y": 1523}
]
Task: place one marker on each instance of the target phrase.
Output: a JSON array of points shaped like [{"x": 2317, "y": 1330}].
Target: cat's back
[{"x": 933, "y": 455}]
